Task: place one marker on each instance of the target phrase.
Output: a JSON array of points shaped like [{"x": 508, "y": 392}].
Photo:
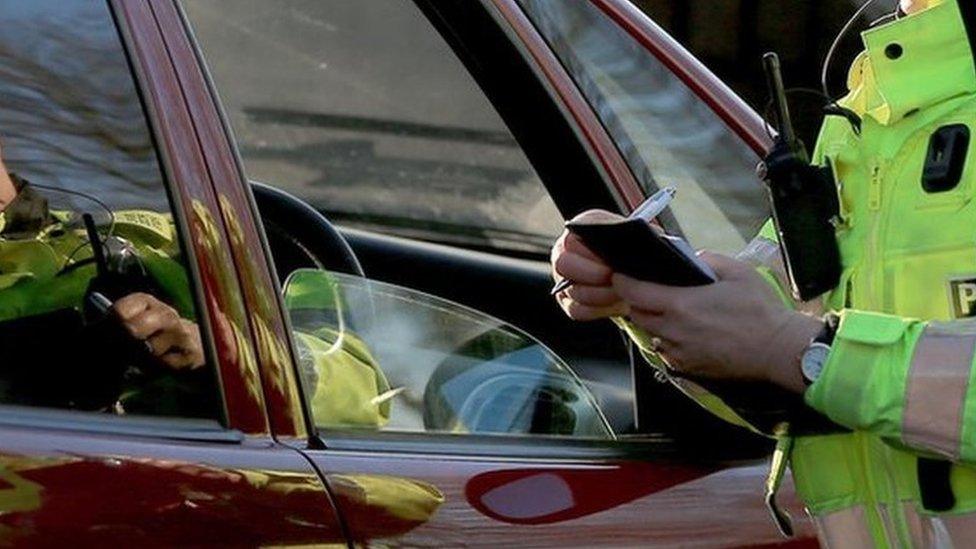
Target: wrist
[{"x": 786, "y": 350}]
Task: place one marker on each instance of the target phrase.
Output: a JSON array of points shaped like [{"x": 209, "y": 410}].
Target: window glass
[
  {"x": 96, "y": 311},
  {"x": 668, "y": 136},
  {"x": 381, "y": 357},
  {"x": 362, "y": 110}
]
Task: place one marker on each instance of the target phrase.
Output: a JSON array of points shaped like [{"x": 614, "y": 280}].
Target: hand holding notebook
[{"x": 635, "y": 247}]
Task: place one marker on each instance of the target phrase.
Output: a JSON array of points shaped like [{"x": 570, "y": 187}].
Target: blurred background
[{"x": 730, "y": 36}]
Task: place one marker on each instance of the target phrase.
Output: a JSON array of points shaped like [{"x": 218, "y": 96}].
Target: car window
[
  {"x": 668, "y": 136},
  {"x": 362, "y": 110},
  {"x": 96, "y": 310},
  {"x": 380, "y": 357}
]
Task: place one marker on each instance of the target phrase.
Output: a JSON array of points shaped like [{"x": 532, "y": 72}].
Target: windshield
[{"x": 364, "y": 111}]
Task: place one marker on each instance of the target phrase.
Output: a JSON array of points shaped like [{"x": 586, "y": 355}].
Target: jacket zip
[{"x": 874, "y": 206}]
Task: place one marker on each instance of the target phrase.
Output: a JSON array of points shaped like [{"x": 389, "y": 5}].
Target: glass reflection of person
[{"x": 46, "y": 265}]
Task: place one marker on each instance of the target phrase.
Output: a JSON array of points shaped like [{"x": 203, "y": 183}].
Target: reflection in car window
[
  {"x": 362, "y": 110},
  {"x": 83, "y": 176},
  {"x": 378, "y": 356},
  {"x": 668, "y": 136}
]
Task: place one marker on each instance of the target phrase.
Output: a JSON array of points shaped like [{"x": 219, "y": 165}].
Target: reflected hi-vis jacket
[{"x": 900, "y": 369}]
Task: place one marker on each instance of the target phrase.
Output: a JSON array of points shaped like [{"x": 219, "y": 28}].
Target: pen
[{"x": 647, "y": 210}]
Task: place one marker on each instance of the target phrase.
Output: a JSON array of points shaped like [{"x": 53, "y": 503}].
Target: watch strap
[{"x": 829, "y": 330}]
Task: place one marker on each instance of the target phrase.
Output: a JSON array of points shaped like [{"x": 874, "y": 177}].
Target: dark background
[{"x": 730, "y": 36}]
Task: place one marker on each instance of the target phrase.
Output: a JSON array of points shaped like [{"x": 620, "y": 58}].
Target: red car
[{"x": 446, "y": 140}]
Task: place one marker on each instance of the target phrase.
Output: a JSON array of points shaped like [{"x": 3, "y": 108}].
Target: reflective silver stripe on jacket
[
  {"x": 849, "y": 529},
  {"x": 938, "y": 379},
  {"x": 844, "y": 529},
  {"x": 960, "y": 529}
]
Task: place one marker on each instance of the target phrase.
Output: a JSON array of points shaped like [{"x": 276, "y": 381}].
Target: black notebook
[{"x": 634, "y": 247}]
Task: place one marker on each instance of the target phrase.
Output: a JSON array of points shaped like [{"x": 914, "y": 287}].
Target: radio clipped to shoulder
[{"x": 803, "y": 199}]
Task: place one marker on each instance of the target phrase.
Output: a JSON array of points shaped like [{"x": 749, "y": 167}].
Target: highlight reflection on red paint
[{"x": 544, "y": 496}]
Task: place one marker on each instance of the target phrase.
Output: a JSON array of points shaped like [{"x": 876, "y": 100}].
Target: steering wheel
[{"x": 300, "y": 236}]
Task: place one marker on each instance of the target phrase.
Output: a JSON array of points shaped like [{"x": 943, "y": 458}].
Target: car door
[
  {"x": 434, "y": 141},
  {"x": 465, "y": 439},
  {"x": 94, "y": 120}
]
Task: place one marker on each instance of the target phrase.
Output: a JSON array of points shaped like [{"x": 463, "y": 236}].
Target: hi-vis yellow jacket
[
  {"x": 899, "y": 373},
  {"x": 901, "y": 470}
]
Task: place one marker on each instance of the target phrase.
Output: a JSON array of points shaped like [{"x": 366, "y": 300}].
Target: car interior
[
  {"x": 306, "y": 227},
  {"x": 513, "y": 290}
]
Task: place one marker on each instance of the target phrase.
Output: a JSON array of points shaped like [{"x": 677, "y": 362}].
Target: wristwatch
[{"x": 815, "y": 356}]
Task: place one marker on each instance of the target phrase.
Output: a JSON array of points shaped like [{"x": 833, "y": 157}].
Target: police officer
[
  {"x": 45, "y": 266},
  {"x": 892, "y": 363}
]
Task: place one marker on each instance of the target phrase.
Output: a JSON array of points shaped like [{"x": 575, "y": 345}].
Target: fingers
[
  {"x": 174, "y": 340},
  {"x": 593, "y": 296},
  {"x": 724, "y": 266},
  {"x": 133, "y": 304},
  {"x": 166, "y": 341},
  {"x": 574, "y": 244},
  {"x": 646, "y": 296},
  {"x": 180, "y": 348},
  {"x": 577, "y": 311},
  {"x": 597, "y": 216},
  {"x": 571, "y": 259},
  {"x": 581, "y": 269},
  {"x": 153, "y": 320}
]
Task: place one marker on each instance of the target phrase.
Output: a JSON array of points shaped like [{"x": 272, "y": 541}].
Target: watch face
[{"x": 813, "y": 361}]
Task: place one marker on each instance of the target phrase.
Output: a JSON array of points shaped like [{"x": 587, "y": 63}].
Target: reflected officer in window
[{"x": 99, "y": 325}]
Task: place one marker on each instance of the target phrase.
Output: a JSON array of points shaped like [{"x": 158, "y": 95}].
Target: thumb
[
  {"x": 723, "y": 265},
  {"x": 597, "y": 216}
]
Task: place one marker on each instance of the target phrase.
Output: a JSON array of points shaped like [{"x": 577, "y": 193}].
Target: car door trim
[
  {"x": 564, "y": 90},
  {"x": 184, "y": 429},
  {"x": 732, "y": 109},
  {"x": 183, "y": 164}
]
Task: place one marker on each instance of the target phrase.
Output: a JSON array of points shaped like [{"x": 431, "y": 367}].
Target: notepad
[{"x": 636, "y": 248}]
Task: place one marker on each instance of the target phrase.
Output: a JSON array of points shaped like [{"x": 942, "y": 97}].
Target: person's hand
[
  {"x": 8, "y": 191},
  {"x": 913, "y": 6},
  {"x": 592, "y": 296},
  {"x": 733, "y": 329},
  {"x": 173, "y": 340}
]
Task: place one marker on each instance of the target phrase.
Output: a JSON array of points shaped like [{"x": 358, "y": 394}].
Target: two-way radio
[{"x": 804, "y": 201}]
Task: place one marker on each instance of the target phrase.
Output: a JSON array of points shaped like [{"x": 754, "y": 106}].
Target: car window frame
[
  {"x": 615, "y": 175},
  {"x": 599, "y": 151},
  {"x": 603, "y": 197},
  {"x": 141, "y": 426}
]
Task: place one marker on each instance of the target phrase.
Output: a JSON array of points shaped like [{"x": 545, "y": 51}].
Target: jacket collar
[
  {"x": 915, "y": 62},
  {"x": 26, "y": 214}
]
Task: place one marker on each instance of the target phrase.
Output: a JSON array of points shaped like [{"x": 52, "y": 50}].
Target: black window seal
[
  {"x": 79, "y": 422},
  {"x": 508, "y": 447}
]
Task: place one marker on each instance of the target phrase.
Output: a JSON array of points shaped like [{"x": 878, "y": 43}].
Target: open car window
[
  {"x": 90, "y": 228},
  {"x": 380, "y": 357},
  {"x": 362, "y": 110}
]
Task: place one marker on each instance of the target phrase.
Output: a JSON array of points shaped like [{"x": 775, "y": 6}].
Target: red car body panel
[
  {"x": 261, "y": 479},
  {"x": 536, "y": 502},
  {"x": 97, "y": 490},
  {"x": 260, "y": 292},
  {"x": 186, "y": 166}
]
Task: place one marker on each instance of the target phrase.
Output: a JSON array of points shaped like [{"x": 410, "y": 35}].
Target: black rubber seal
[
  {"x": 967, "y": 8},
  {"x": 934, "y": 486}
]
